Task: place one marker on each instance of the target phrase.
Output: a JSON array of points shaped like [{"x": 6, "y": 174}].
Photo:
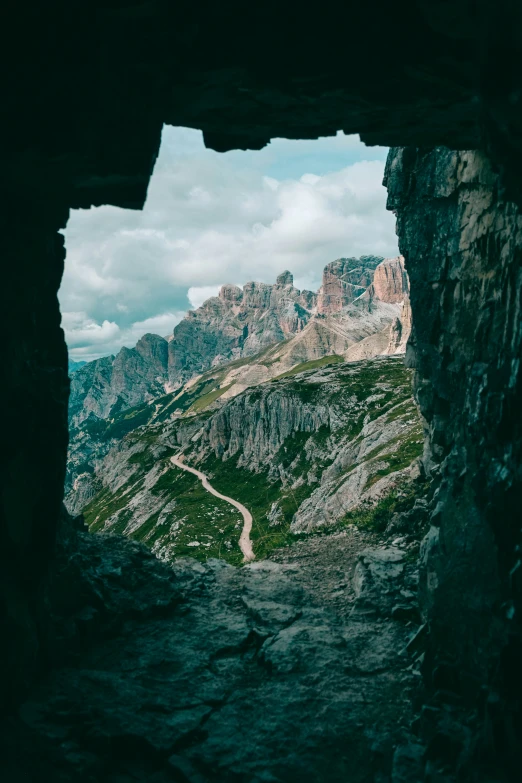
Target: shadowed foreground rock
[
  {"x": 289, "y": 671},
  {"x": 89, "y": 88},
  {"x": 462, "y": 241}
]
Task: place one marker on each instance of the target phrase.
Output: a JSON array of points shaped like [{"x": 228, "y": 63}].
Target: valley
[
  {"x": 307, "y": 434},
  {"x": 301, "y": 431},
  {"x": 269, "y": 456},
  {"x": 244, "y": 539}
]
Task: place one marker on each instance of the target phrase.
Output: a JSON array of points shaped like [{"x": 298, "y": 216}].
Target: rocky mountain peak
[
  {"x": 242, "y": 322},
  {"x": 390, "y": 281},
  {"x": 231, "y": 293},
  {"x": 343, "y": 281},
  {"x": 285, "y": 278},
  {"x": 152, "y": 347}
]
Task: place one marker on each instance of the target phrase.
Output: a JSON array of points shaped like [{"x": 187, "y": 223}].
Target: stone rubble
[{"x": 271, "y": 672}]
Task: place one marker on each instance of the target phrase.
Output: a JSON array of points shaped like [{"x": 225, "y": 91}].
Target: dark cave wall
[
  {"x": 90, "y": 85},
  {"x": 463, "y": 247},
  {"x": 34, "y": 395}
]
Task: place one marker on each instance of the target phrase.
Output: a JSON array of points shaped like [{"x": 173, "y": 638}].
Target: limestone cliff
[
  {"x": 343, "y": 281},
  {"x": 238, "y": 322},
  {"x": 462, "y": 242},
  {"x": 301, "y": 452},
  {"x": 109, "y": 384},
  {"x": 242, "y": 322},
  {"x": 390, "y": 281},
  {"x": 400, "y": 329},
  {"x": 239, "y": 339}
]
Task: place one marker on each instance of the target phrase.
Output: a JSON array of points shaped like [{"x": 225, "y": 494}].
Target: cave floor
[{"x": 277, "y": 671}]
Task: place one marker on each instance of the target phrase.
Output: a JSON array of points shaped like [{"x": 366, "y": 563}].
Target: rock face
[
  {"x": 463, "y": 249},
  {"x": 112, "y": 383},
  {"x": 300, "y": 452},
  {"x": 400, "y": 329},
  {"x": 238, "y": 322},
  {"x": 343, "y": 281},
  {"x": 456, "y": 83},
  {"x": 285, "y": 278},
  {"x": 390, "y": 281},
  {"x": 265, "y": 329},
  {"x": 183, "y": 661},
  {"x": 242, "y": 322}
]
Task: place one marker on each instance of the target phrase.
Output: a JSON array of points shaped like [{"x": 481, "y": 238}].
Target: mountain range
[
  {"x": 360, "y": 310},
  {"x": 295, "y": 402},
  {"x": 303, "y": 452}
]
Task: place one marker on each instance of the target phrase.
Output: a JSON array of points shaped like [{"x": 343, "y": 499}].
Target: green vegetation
[
  {"x": 360, "y": 380},
  {"x": 148, "y": 457},
  {"x": 105, "y": 504},
  {"x": 254, "y": 359},
  {"x": 258, "y": 494},
  {"x": 314, "y": 364},
  {"x": 205, "y": 400},
  {"x": 306, "y": 391},
  {"x": 183, "y": 519},
  {"x": 128, "y": 421},
  {"x": 401, "y": 457},
  {"x": 375, "y": 517},
  {"x": 197, "y": 517},
  {"x": 401, "y": 410},
  {"x": 292, "y": 449},
  {"x": 119, "y": 425},
  {"x": 187, "y": 398},
  {"x": 207, "y": 388}
]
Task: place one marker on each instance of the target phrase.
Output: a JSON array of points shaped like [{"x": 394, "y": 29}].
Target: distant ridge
[{"x": 360, "y": 310}]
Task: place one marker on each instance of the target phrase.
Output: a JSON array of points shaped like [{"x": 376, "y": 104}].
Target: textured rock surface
[
  {"x": 343, "y": 281},
  {"x": 238, "y": 322},
  {"x": 301, "y": 453},
  {"x": 390, "y": 281},
  {"x": 208, "y": 673},
  {"x": 110, "y": 384},
  {"x": 400, "y": 329},
  {"x": 463, "y": 251},
  {"x": 98, "y": 81},
  {"x": 241, "y": 323}
]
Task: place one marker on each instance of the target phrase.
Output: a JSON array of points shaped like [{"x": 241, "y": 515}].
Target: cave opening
[
  {"x": 87, "y": 671},
  {"x": 150, "y": 384}
]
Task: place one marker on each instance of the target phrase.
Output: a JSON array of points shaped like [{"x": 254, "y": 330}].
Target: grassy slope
[
  {"x": 196, "y": 516},
  {"x": 313, "y": 364}
]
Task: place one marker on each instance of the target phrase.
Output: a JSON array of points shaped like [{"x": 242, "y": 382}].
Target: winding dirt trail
[{"x": 245, "y": 543}]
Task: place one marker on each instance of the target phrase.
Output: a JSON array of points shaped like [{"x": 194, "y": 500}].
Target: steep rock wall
[
  {"x": 238, "y": 322},
  {"x": 106, "y": 385},
  {"x": 98, "y": 81},
  {"x": 390, "y": 281},
  {"x": 463, "y": 248},
  {"x": 34, "y": 393},
  {"x": 343, "y": 281}
]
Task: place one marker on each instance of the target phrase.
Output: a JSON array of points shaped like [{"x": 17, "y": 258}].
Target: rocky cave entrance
[
  {"x": 68, "y": 604},
  {"x": 212, "y": 217},
  {"x": 310, "y": 383}
]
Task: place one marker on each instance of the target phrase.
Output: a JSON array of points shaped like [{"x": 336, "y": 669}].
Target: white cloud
[
  {"x": 81, "y": 331},
  {"x": 158, "y": 324},
  {"x": 214, "y": 218},
  {"x": 88, "y": 339},
  {"x": 199, "y": 294}
]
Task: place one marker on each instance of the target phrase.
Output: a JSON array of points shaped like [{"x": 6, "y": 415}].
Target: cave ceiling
[{"x": 95, "y": 81}]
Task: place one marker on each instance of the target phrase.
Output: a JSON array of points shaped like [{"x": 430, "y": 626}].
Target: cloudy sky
[{"x": 214, "y": 218}]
